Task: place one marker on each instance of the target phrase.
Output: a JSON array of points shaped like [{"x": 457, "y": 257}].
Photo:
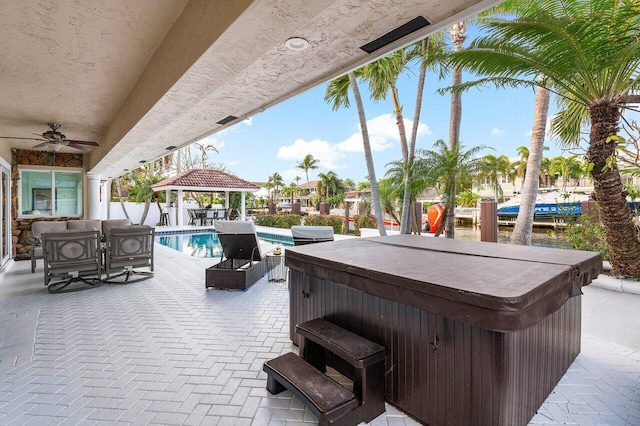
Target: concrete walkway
[{"x": 166, "y": 351}]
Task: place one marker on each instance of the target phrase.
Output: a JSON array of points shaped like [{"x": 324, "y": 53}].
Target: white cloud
[
  {"x": 212, "y": 140},
  {"x": 289, "y": 175},
  {"x": 383, "y": 132},
  {"x": 323, "y": 151},
  {"x": 497, "y": 132}
]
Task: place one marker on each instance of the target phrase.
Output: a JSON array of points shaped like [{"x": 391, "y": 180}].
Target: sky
[{"x": 277, "y": 139}]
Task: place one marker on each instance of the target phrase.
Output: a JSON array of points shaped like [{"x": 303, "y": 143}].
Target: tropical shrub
[
  {"x": 325, "y": 220},
  {"x": 468, "y": 199},
  {"x": 586, "y": 234},
  {"x": 285, "y": 221},
  {"x": 364, "y": 221}
]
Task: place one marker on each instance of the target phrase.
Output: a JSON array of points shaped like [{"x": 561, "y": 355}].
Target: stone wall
[{"x": 21, "y": 229}]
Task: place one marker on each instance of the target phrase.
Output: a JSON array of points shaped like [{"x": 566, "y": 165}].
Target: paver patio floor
[{"x": 167, "y": 351}]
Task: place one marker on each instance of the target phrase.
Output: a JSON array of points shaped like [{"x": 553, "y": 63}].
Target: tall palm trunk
[
  {"x": 367, "y": 154},
  {"x": 620, "y": 232},
  {"x": 119, "y": 191},
  {"x": 458, "y": 36},
  {"x": 524, "y": 223},
  {"x": 407, "y": 202},
  {"x": 405, "y": 222}
]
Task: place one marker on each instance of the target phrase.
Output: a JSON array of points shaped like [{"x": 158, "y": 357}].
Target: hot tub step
[{"x": 325, "y": 397}]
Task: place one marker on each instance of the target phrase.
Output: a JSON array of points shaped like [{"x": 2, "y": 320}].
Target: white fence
[{"x": 153, "y": 216}]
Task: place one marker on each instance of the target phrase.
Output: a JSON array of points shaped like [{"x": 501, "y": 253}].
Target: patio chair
[
  {"x": 192, "y": 216},
  {"x": 37, "y": 229},
  {"x": 238, "y": 239},
  {"x": 108, "y": 225},
  {"x": 311, "y": 234},
  {"x": 244, "y": 263},
  {"x": 210, "y": 216},
  {"x": 74, "y": 255},
  {"x": 127, "y": 248}
]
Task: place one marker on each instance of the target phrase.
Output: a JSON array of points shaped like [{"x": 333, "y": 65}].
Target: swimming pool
[{"x": 207, "y": 244}]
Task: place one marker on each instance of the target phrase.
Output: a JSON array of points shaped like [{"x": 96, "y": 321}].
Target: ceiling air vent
[
  {"x": 413, "y": 25},
  {"x": 227, "y": 119}
]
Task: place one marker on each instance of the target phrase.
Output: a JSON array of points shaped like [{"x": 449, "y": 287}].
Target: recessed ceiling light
[{"x": 296, "y": 43}]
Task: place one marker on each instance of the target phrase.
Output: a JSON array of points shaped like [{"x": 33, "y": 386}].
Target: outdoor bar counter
[{"x": 476, "y": 333}]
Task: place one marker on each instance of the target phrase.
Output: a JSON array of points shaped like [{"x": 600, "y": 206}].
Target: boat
[{"x": 550, "y": 205}]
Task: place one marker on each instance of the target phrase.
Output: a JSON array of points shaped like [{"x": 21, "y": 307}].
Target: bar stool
[{"x": 164, "y": 218}]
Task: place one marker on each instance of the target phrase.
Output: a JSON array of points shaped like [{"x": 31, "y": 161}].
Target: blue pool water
[{"x": 207, "y": 244}]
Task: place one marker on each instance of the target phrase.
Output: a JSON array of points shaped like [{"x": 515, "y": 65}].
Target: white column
[
  {"x": 93, "y": 196},
  {"x": 243, "y": 207},
  {"x": 226, "y": 200},
  {"x": 105, "y": 191},
  {"x": 179, "y": 201}
]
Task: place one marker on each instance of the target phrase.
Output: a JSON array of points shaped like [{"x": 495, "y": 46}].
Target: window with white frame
[{"x": 50, "y": 192}]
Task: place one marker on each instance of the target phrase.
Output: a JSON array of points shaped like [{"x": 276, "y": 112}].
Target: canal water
[{"x": 540, "y": 237}]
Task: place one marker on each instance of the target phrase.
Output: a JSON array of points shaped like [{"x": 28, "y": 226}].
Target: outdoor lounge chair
[
  {"x": 242, "y": 263},
  {"x": 311, "y": 234},
  {"x": 127, "y": 248},
  {"x": 74, "y": 255}
]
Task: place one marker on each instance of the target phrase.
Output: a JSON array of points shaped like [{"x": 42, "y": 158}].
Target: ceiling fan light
[
  {"x": 296, "y": 43},
  {"x": 54, "y": 147}
]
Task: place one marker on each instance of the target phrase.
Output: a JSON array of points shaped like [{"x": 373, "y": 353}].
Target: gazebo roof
[{"x": 205, "y": 180}]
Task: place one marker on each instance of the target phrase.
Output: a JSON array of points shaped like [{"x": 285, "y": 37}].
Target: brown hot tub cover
[{"x": 499, "y": 287}]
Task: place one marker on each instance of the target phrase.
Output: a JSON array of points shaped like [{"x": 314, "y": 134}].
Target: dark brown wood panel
[{"x": 443, "y": 371}]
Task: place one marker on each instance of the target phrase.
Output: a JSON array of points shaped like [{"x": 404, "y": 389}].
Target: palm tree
[
  {"x": 330, "y": 187},
  {"x": 458, "y": 35},
  {"x": 492, "y": 169},
  {"x": 567, "y": 168},
  {"x": 308, "y": 163},
  {"x": 382, "y": 76},
  {"x": 297, "y": 179},
  {"x": 521, "y": 170},
  {"x": 545, "y": 172},
  {"x": 338, "y": 94},
  {"x": 442, "y": 167},
  {"x": 269, "y": 186},
  {"x": 589, "y": 54},
  {"x": 277, "y": 181}
]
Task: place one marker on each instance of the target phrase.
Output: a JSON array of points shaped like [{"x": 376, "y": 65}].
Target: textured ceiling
[{"x": 139, "y": 76}]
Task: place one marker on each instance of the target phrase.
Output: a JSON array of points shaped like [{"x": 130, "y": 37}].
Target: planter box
[{"x": 235, "y": 274}]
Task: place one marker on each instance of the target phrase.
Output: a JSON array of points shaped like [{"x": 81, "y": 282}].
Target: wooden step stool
[{"x": 331, "y": 402}]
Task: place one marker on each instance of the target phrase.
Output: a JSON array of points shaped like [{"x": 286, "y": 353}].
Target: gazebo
[{"x": 204, "y": 180}]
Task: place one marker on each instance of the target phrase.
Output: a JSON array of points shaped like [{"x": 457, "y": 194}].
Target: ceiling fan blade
[
  {"x": 82, "y": 148},
  {"x": 40, "y": 145},
  {"x": 74, "y": 142},
  {"x": 26, "y": 139}
]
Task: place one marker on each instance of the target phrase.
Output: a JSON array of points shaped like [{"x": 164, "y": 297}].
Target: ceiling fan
[{"x": 56, "y": 140}]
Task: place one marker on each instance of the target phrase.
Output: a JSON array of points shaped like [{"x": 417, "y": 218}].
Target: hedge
[
  {"x": 325, "y": 220},
  {"x": 285, "y": 221}
]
